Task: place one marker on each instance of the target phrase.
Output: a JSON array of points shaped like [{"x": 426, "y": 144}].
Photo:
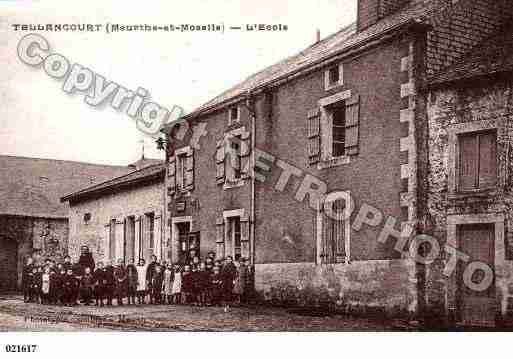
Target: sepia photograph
[{"x": 254, "y": 168}]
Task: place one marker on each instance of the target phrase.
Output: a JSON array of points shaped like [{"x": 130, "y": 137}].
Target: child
[
  {"x": 156, "y": 285},
  {"x": 237, "y": 285},
  {"x": 216, "y": 286},
  {"x": 195, "y": 285},
  {"x": 33, "y": 285},
  {"x": 26, "y": 278},
  {"x": 132, "y": 277},
  {"x": 59, "y": 286},
  {"x": 203, "y": 284},
  {"x": 45, "y": 286},
  {"x": 121, "y": 284},
  {"x": 110, "y": 281},
  {"x": 167, "y": 285},
  {"x": 187, "y": 284},
  {"x": 228, "y": 273},
  {"x": 69, "y": 286},
  {"x": 100, "y": 282},
  {"x": 176, "y": 291},
  {"x": 142, "y": 284},
  {"x": 86, "y": 286}
]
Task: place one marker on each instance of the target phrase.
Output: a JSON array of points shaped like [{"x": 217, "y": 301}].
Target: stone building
[
  {"x": 320, "y": 168},
  {"x": 121, "y": 217},
  {"x": 466, "y": 163},
  {"x": 31, "y": 215}
]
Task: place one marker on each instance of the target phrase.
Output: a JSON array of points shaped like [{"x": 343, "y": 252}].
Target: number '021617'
[{"x": 20, "y": 348}]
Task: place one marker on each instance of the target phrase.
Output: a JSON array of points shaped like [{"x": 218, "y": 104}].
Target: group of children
[{"x": 195, "y": 282}]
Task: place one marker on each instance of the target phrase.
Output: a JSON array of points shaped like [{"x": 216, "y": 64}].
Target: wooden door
[{"x": 477, "y": 307}]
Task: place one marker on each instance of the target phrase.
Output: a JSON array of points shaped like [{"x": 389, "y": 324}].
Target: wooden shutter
[
  {"x": 313, "y": 126},
  {"x": 244, "y": 237},
  {"x": 220, "y": 238},
  {"x": 171, "y": 176},
  {"x": 487, "y": 160},
  {"x": 157, "y": 234},
  {"x": 112, "y": 239},
  {"x": 245, "y": 151},
  {"x": 189, "y": 170},
  {"x": 352, "y": 125},
  {"x": 468, "y": 162},
  {"x": 220, "y": 156}
]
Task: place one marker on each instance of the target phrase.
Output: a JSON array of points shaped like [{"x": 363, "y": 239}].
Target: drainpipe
[{"x": 252, "y": 114}]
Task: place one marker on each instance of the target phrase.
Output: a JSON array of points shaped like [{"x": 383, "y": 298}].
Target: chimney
[
  {"x": 318, "y": 36},
  {"x": 371, "y": 11}
]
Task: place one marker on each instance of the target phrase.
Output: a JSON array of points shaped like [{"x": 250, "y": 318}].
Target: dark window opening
[
  {"x": 477, "y": 161},
  {"x": 334, "y": 75},
  {"x": 338, "y": 130}
]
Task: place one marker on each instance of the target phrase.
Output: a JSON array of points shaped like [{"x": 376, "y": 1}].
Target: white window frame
[
  {"x": 326, "y": 123},
  {"x": 227, "y": 216},
  {"x": 182, "y": 152},
  {"x": 230, "y": 183},
  {"x": 236, "y": 120},
  {"x": 346, "y": 196},
  {"x": 328, "y": 85}
]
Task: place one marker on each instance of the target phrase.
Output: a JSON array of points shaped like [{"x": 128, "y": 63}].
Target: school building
[
  {"x": 403, "y": 116},
  {"x": 120, "y": 218}
]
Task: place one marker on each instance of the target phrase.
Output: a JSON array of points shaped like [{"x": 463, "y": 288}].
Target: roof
[
  {"x": 342, "y": 41},
  {"x": 136, "y": 178},
  {"x": 33, "y": 186},
  {"x": 492, "y": 56}
]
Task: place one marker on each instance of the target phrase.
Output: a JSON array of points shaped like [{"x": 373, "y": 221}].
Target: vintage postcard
[{"x": 240, "y": 166}]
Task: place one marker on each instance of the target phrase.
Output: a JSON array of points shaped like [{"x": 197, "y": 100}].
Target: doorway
[{"x": 477, "y": 308}]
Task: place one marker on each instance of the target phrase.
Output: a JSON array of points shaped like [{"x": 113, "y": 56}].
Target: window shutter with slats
[
  {"x": 487, "y": 160},
  {"x": 313, "y": 126},
  {"x": 352, "y": 125},
  {"x": 171, "y": 176},
  {"x": 189, "y": 170},
  {"x": 245, "y": 151},
  {"x": 220, "y": 156},
  {"x": 468, "y": 162}
]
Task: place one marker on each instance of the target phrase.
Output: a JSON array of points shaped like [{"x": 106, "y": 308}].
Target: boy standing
[
  {"x": 120, "y": 277},
  {"x": 131, "y": 272}
]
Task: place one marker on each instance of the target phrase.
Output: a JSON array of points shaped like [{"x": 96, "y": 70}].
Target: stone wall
[
  {"x": 467, "y": 105},
  {"x": 47, "y": 237},
  {"x": 119, "y": 205},
  {"x": 388, "y": 286}
]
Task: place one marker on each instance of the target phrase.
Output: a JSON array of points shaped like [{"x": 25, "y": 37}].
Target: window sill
[
  {"x": 233, "y": 184},
  {"x": 334, "y": 162},
  {"x": 481, "y": 193},
  {"x": 180, "y": 193},
  {"x": 333, "y": 86}
]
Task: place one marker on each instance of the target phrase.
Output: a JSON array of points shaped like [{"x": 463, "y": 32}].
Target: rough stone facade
[
  {"x": 24, "y": 235},
  {"x": 488, "y": 102},
  {"x": 117, "y": 206}
]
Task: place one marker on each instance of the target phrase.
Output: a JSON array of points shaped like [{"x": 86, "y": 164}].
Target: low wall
[{"x": 388, "y": 285}]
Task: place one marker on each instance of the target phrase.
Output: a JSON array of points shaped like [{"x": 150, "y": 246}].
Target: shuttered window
[
  {"x": 477, "y": 161},
  {"x": 340, "y": 126},
  {"x": 338, "y": 130},
  {"x": 333, "y": 235},
  {"x": 180, "y": 171},
  {"x": 313, "y": 127}
]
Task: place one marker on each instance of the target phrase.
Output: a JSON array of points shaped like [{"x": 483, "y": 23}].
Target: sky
[{"x": 38, "y": 119}]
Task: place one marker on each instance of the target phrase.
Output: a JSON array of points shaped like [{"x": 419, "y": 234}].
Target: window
[
  {"x": 332, "y": 249},
  {"x": 234, "y": 236},
  {"x": 477, "y": 161},
  {"x": 338, "y": 115},
  {"x": 234, "y": 158},
  {"x": 334, "y": 76},
  {"x": 150, "y": 232},
  {"x": 333, "y": 130},
  {"x": 112, "y": 239},
  {"x": 180, "y": 171},
  {"x": 233, "y": 115}
]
